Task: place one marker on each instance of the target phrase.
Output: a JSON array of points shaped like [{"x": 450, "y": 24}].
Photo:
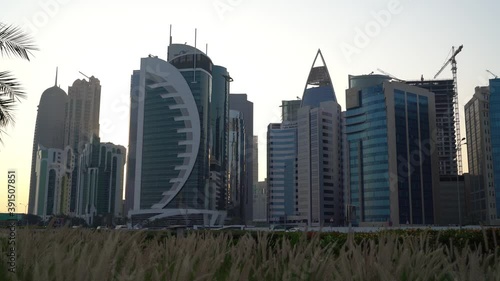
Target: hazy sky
[{"x": 267, "y": 46}]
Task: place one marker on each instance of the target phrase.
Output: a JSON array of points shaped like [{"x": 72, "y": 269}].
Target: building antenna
[
  {"x": 57, "y": 68},
  {"x": 170, "y": 40},
  {"x": 206, "y": 49},
  {"x": 194, "y": 56}
]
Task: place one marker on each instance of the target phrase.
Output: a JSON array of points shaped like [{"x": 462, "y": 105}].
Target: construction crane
[
  {"x": 494, "y": 75},
  {"x": 390, "y": 75},
  {"x": 84, "y": 75},
  {"x": 456, "y": 114}
]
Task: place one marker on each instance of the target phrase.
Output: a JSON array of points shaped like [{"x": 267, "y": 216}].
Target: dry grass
[{"x": 82, "y": 254}]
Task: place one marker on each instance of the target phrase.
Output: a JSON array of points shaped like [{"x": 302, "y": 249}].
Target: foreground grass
[{"x": 82, "y": 254}]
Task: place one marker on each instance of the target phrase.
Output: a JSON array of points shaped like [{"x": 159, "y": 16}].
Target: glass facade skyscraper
[
  {"x": 494, "y": 112},
  {"x": 445, "y": 123},
  {"x": 390, "y": 133},
  {"x": 171, "y": 177},
  {"x": 100, "y": 181},
  {"x": 281, "y": 171},
  {"x": 219, "y": 118}
]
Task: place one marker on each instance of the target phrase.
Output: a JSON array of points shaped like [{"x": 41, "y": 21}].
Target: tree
[{"x": 13, "y": 42}]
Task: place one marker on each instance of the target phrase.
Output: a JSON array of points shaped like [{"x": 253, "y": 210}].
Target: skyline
[{"x": 269, "y": 60}]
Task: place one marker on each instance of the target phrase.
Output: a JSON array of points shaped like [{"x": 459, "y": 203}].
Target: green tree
[{"x": 13, "y": 42}]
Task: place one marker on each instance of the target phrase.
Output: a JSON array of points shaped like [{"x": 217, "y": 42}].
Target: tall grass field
[{"x": 84, "y": 254}]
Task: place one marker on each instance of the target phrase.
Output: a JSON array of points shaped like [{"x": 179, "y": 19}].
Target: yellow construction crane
[{"x": 456, "y": 115}]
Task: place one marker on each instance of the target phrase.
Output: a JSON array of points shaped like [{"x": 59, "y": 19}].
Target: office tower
[
  {"x": 391, "y": 166},
  {"x": 319, "y": 138},
  {"x": 82, "y": 122},
  {"x": 480, "y": 142},
  {"x": 53, "y": 169},
  {"x": 219, "y": 115},
  {"x": 237, "y": 165},
  {"x": 260, "y": 202},
  {"x": 281, "y": 172},
  {"x": 132, "y": 141},
  {"x": 100, "y": 182},
  {"x": 241, "y": 103},
  {"x": 49, "y": 130},
  {"x": 172, "y": 124},
  {"x": 494, "y": 114},
  {"x": 446, "y": 141},
  {"x": 290, "y": 109}
]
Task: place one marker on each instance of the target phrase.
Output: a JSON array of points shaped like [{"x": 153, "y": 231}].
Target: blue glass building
[
  {"x": 281, "y": 171},
  {"x": 391, "y": 158},
  {"x": 494, "y": 111},
  {"x": 171, "y": 177}
]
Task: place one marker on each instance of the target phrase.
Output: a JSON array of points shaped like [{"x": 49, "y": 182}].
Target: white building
[{"x": 320, "y": 186}]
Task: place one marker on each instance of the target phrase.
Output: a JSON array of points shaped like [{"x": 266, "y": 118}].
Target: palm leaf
[
  {"x": 6, "y": 108},
  {"x": 10, "y": 87},
  {"x": 13, "y": 41}
]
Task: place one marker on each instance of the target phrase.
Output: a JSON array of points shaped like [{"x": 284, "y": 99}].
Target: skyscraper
[
  {"x": 479, "y": 132},
  {"x": 289, "y": 110},
  {"x": 132, "y": 141},
  {"x": 49, "y": 130},
  {"x": 82, "y": 123},
  {"x": 445, "y": 123},
  {"x": 319, "y": 138},
  {"x": 219, "y": 115},
  {"x": 53, "y": 170},
  {"x": 494, "y": 112},
  {"x": 281, "y": 171},
  {"x": 100, "y": 181},
  {"x": 240, "y": 102},
  {"x": 171, "y": 176},
  {"x": 237, "y": 165},
  {"x": 391, "y": 152}
]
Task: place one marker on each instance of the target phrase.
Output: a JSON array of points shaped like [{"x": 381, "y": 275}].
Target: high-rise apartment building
[
  {"x": 391, "y": 161},
  {"x": 241, "y": 103},
  {"x": 172, "y": 129},
  {"x": 100, "y": 181},
  {"x": 479, "y": 135},
  {"x": 81, "y": 124},
  {"x": 319, "y": 151},
  {"x": 53, "y": 171},
  {"x": 49, "y": 131}
]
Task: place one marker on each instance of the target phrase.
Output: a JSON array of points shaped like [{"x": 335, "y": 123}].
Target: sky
[{"x": 267, "y": 46}]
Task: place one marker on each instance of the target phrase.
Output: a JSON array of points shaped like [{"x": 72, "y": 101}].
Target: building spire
[{"x": 56, "y": 76}]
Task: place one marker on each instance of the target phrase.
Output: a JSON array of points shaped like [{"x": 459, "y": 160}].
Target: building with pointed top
[
  {"x": 319, "y": 151},
  {"x": 49, "y": 131}
]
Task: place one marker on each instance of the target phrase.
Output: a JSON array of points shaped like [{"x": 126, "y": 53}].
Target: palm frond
[
  {"x": 6, "y": 107},
  {"x": 10, "y": 87},
  {"x": 13, "y": 41}
]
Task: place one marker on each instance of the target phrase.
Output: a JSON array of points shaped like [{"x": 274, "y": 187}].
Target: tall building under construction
[{"x": 445, "y": 124}]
